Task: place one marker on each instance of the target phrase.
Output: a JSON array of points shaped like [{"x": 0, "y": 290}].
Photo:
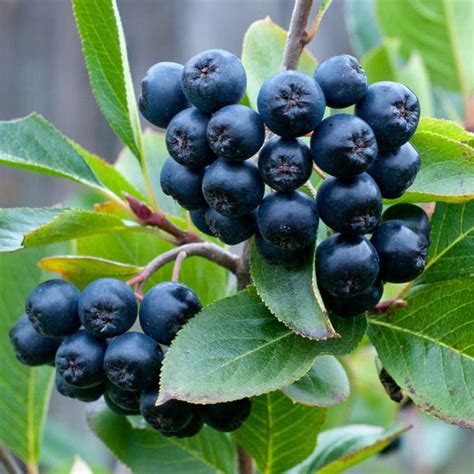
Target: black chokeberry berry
[
  {"x": 410, "y": 213},
  {"x": 190, "y": 430},
  {"x": 227, "y": 416},
  {"x": 117, "y": 409},
  {"x": 231, "y": 230},
  {"x": 87, "y": 395},
  {"x": 198, "y": 217},
  {"x": 276, "y": 255},
  {"x": 126, "y": 399}
]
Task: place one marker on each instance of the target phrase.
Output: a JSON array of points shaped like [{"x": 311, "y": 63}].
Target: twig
[
  {"x": 9, "y": 462},
  {"x": 245, "y": 461},
  {"x": 206, "y": 250},
  {"x": 243, "y": 267},
  {"x": 177, "y": 265},
  {"x": 385, "y": 306},
  {"x": 319, "y": 171},
  {"x": 319, "y": 16}
]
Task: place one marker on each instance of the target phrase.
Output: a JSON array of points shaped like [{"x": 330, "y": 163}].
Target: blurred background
[{"x": 42, "y": 70}]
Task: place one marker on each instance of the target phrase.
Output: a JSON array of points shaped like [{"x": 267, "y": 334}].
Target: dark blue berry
[
  {"x": 165, "y": 309},
  {"x": 186, "y": 139},
  {"x": 126, "y": 399},
  {"x": 87, "y": 395},
  {"x": 162, "y": 96},
  {"x": 410, "y": 213},
  {"x": 52, "y": 308},
  {"x": 395, "y": 170},
  {"x": 231, "y": 230},
  {"x": 233, "y": 189},
  {"x": 190, "y": 430},
  {"x": 275, "y": 255},
  {"x": 198, "y": 217},
  {"x": 107, "y": 307},
  {"x": 227, "y": 416},
  {"x": 393, "y": 447},
  {"x": 343, "y": 145},
  {"x": 285, "y": 163},
  {"x": 392, "y": 111},
  {"x": 346, "y": 265},
  {"x": 133, "y": 361},
  {"x": 117, "y": 409},
  {"x": 213, "y": 79},
  {"x": 291, "y": 103},
  {"x": 288, "y": 220},
  {"x": 342, "y": 79},
  {"x": 402, "y": 251},
  {"x": 350, "y": 205}
]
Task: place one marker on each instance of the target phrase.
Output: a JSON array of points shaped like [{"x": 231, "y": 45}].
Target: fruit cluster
[
  {"x": 211, "y": 137},
  {"x": 105, "y": 359}
]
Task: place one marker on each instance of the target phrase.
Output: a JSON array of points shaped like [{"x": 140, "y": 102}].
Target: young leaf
[
  {"x": 235, "y": 348},
  {"x": 279, "y": 433},
  {"x": 25, "y": 390},
  {"x": 326, "y": 384},
  {"x": 262, "y": 50},
  {"x": 292, "y": 296},
  {"x": 103, "y": 45},
  {"x": 341, "y": 448},
  {"x": 146, "y": 450},
  {"x": 447, "y": 129}
]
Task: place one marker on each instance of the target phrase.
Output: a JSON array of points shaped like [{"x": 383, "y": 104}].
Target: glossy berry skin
[
  {"x": 342, "y": 79},
  {"x": 198, "y": 218},
  {"x": 52, "y": 308},
  {"x": 126, "y": 399},
  {"x": 183, "y": 184},
  {"x": 233, "y": 189},
  {"x": 231, "y": 230},
  {"x": 227, "y": 416},
  {"x": 346, "y": 265},
  {"x": 288, "y": 220},
  {"x": 343, "y": 145},
  {"x": 392, "y": 111},
  {"x": 162, "y": 96},
  {"x": 354, "y": 305},
  {"x": 275, "y": 255},
  {"x": 414, "y": 215},
  {"x": 172, "y": 416},
  {"x": 285, "y": 164},
  {"x": 186, "y": 139},
  {"x": 166, "y": 308},
  {"x": 80, "y": 358},
  {"x": 190, "y": 430},
  {"x": 213, "y": 79},
  {"x": 350, "y": 205},
  {"x": 395, "y": 170},
  {"x": 291, "y": 103},
  {"x": 236, "y": 132},
  {"x": 117, "y": 409},
  {"x": 133, "y": 361},
  {"x": 31, "y": 347},
  {"x": 107, "y": 307},
  {"x": 87, "y": 395},
  {"x": 402, "y": 251}
]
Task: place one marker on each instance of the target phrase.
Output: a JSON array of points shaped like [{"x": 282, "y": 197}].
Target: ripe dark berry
[
  {"x": 285, "y": 164},
  {"x": 191, "y": 429},
  {"x": 392, "y": 111},
  {"x": 87, "y": 395},
  {"x": 231, "y": 230},
  {"x": 133, "y": 361},
  {"x": 236, "y": 132},
  {"x": 213, "y": 79},
  {"x": 117, "y": 409},
  {"x": 279, "y": 256},
  {"x": 198, "y": 217},
  {"x": 342, "y": 79},
  {"x": 350, "y": 205},
  {"x": 343, "y": 145},
  {"x": 162, "y": 96},
  {"x": 395, "y": 170},
  {"x": 393, "y": 447},
  {"x": 107, "y": 307},
  {"x": 288, "y": 220},
  {"x": 31, "y": 347},
  {"x": 52, "y": 308},
  {"x": 172, "y": 416},
  {"x": 410, "y": 213},
  {"x": 402, "y": 251},
  {"x": 186, "y": 139},
  {"x": 166, "y": 308},
  {"x": 80, "y": 358},
  {"x": 354, "y": 305},
  {"x": 126, "y": 399},
  {"x": 233, "y": 189},
  {"x": 291, "y": 103},
  {"x": 346, "y": 265},
  {"x": 227, "y": 416},
  {"x": 183, "y": 184}
]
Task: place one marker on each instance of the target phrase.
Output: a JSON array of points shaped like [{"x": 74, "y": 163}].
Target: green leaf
[
  {"x": 279, "y": 433},
  {"x": 146, "y": 450},
  {"x": 292, "y": 296},
  {"x": 262, "y": 51},
  {"x": 440, "y": 30},
  {"x": 446, "y": 128},
  {"x": 341, "y": 448},
  {"x": 104, "y": 48},
  {"x": 83, "y": 270},
  {"x": 326, "y": 384},
  {"x": 25, "y": 390},
  {"x": 235, "y": 348}
]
